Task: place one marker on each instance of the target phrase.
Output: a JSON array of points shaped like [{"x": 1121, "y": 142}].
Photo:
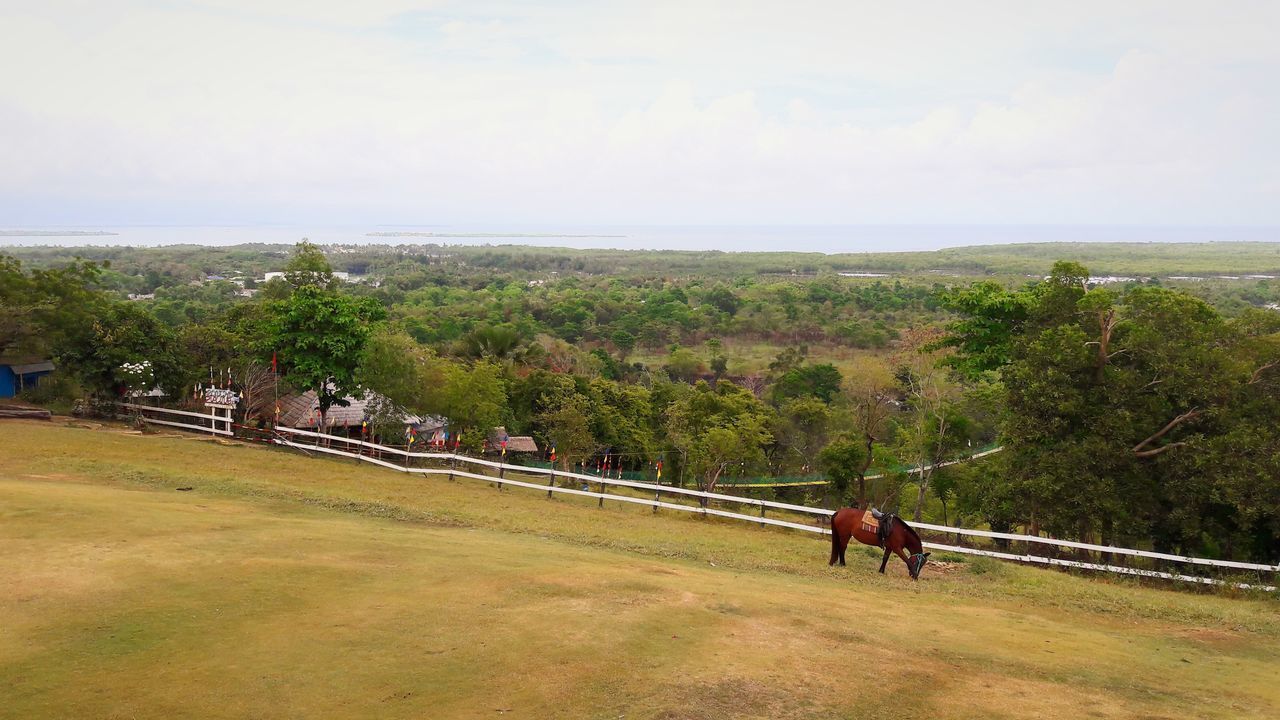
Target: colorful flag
[{"x": 553, "y": 453}]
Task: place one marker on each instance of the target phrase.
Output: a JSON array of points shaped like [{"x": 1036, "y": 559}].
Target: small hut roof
[
  {"x": 515, "y": 443},
  {"x": 521, "y": 443},
  {"x": 298, "y": 411}
]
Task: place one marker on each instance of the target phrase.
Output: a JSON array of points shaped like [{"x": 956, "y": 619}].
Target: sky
[{"x": 636, "y": 113}]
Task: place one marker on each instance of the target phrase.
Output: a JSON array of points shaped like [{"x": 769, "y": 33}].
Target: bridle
[{"x": 919, "y": 563}]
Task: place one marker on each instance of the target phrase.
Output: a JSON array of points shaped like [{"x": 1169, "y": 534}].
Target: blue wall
[{"x": 8, "y": 382}]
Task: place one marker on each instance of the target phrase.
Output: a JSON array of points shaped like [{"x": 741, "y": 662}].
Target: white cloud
[{"x": 661, "y": 112}]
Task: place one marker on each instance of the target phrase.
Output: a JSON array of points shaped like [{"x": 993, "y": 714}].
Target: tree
[
  {"x": 1135, "y": 415},
  {"x": 724, "y": 300},
  {"x": 568, "y": 429},
  {"x": 496, "y": 342},
  {"x": 620, "y": 419},
  {"x": 401, "y": 370},
  {"x": 801, "y": 428},
  {"x": 320, "y": 336},
  {"x": 869, "y": 391},
  {"x": 97, "y": 349},
  {"x": 931, "y": 396},
  {"x": 740, "y": 419},
  {"x": 684, "y": 364},
  {"x": 820, "y": 381},
  {"x": 475, "y": 399},
  {"x": 791, "y": 358},
  {"x": 843, "y": 460},
  {"x": 991, "y": 316},
  {"x": 309, "y": 267},
  {"x": 625, "y": 342},
  {"x": 39, "y": 309},
  {"x": 721, "y": 447}
]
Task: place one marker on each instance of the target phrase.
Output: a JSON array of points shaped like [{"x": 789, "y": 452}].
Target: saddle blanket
[{"x": 869, "y": 523}]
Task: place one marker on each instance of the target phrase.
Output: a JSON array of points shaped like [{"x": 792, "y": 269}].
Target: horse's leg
[
  {"x": 903, "y": 554},
  {"x": 835, "y": 545},
  {"x": 885, "y": 561},
  {"x": 844, "y": 545}
]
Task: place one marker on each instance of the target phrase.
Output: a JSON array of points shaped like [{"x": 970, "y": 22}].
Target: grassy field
[{"x": 285, "y": 586}]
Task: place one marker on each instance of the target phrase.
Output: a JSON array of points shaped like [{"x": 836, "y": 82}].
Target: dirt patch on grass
[
  {"x": 733, "y": 697},
  {"x": 1009, "y": 697}
]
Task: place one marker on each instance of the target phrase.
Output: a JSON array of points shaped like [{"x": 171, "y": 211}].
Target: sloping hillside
[{"x": 284, "y": 586}]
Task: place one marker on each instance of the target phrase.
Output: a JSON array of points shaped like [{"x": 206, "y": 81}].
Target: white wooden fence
[
  {"x": 214, "y": 417},
  {"x": 294, "y": 438}
]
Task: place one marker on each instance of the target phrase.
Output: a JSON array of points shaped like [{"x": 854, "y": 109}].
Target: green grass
[{"x": 286, "y": 586}]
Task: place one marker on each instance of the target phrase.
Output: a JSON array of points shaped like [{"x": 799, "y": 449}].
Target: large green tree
[
  {"x": 1132, "y": 416},
  {"x": 96, "y": 349},
  {"x": 309, "y": 267},
  {"x": 717, "y": 428},
  {"x": 319, "y": 336}
]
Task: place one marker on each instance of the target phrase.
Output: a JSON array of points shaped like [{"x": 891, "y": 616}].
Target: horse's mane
[{"x": 911, "y": 531}]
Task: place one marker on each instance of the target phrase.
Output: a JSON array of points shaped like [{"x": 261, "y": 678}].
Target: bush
[
  {"x": 57, "y": 391},
  {"x": 980, "y": 565}
]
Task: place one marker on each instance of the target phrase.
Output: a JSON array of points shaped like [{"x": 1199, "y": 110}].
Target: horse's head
[{"x": 916, "y": 563}]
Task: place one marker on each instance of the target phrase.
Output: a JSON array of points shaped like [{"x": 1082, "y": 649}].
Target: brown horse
[{"x": 847, "y": 523}]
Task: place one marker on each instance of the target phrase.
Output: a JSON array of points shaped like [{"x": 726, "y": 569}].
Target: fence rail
[
  {"x": 878, "y": 476},
  {"x": 280, "y": 436},
  {"x": 210, "y": 416}
]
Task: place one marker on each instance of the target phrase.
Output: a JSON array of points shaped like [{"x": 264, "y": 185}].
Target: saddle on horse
[{"x": 882, "y": 523}]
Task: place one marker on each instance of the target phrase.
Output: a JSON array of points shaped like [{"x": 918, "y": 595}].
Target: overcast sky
[{"x": 389, "y": 111}]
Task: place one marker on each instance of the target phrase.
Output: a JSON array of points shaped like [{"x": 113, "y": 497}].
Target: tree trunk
[
  {"x": 862, "y": 474},
  {"x": 924, "y": 488},
  {"x": 1106, "y": 538},
  {"x": 1034, "y": 531}
]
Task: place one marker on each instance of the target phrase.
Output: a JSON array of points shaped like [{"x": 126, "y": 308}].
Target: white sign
[{"x": 220, "y": 397}]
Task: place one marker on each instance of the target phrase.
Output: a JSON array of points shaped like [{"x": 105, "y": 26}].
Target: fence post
[
  {"x": 762, "y": 513},
  {"x": 602, "y": 492},
  {"x": 502, "y": 471},
  {"x": 551, "y": 483},
  {"x": 656, "y": 495}
]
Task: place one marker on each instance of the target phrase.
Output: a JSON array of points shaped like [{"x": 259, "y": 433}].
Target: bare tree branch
[
  {"x": 1107, "y": 322},
  {"x": 1140, "y": 450},
  {"x": 1157, "y": 451},
  {"x": 1257, "y": 374}
]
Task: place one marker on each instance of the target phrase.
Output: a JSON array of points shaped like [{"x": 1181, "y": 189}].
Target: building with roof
[
  {"x": 303, "y": 412},
  {"x": 16, "y": 377},
  {"x": 515, "y": 443}
]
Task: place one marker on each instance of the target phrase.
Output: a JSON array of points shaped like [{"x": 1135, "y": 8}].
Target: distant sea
[{"x": 802, "y": 238}]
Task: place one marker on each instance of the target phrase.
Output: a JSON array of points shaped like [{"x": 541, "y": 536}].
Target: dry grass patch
[{"x": 283, "y": 586}]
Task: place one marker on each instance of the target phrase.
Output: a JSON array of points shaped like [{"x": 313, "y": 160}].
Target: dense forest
[{"x": 1136, "y": 408}]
